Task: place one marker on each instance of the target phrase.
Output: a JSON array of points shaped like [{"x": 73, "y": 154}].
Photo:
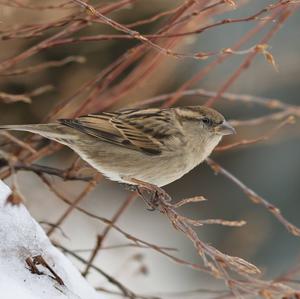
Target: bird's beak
[{"x": 225, "y": 129}]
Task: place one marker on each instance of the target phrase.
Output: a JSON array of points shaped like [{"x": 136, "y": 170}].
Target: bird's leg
[
  {"x": 150, "y": 203},
  {"x": 140, "y": 191},
  {"x": 157, "y": 194}
]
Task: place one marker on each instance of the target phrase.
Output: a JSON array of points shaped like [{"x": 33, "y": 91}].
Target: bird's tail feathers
[
  {"x": 52, "y": 131},
  {"x": 29, "y": 128}
]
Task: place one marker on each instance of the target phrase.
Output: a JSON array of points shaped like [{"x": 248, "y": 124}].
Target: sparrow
[{"x": 154, "y": 146}]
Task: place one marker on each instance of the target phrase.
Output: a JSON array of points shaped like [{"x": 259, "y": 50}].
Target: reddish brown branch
[
  {"x": 90, "y": 186},
  {"x": 43, "y": 66},
  {"x": 25, "y": 97},
  {"x": 283, "y": 16},
  {"x": 204, "y": 71}
]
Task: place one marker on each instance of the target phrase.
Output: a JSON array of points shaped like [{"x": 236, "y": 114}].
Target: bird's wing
[{"x": 147, "y": 130}]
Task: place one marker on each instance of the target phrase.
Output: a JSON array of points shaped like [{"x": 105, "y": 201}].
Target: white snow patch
[{"x": 22, "y": 237}]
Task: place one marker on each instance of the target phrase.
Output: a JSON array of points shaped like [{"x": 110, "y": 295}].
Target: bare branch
[{"x": 217, "y": 168}]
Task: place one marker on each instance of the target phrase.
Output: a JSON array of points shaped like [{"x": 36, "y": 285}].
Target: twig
[
  {"x": 91, "y": 185},
  {"x": 74, "y": 26},
  {"x": 264, "y": 137},
  {"x": 204, "y": 71},
  {"x": 283, "y": 16},
  {"x": 19, "y": 4},
  {"x": 26, "y": 97},
  {"x": 32, "y": 263},
  {"x": 43, "y": 66},
  {"x": 217, "y": 168},
  {"x": 269, "y": 103},
  {"x": 39, "y": 169},
  {"x": 136, "y": 35},
  {"x": 125, "y": 291},
  {"x": 18, "y": 142},
  {"x": 101, "y": 238},
  {"x": 128, "y": 236},
  {"x": 124, "y": 246}
]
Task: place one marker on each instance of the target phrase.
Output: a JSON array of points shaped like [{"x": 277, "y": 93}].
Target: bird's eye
[{"x": 207, "y": 121}]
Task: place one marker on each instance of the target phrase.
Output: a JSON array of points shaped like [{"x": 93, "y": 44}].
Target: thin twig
[
  {"x": 100, "y": 238},
  {"x": 217, "y": 168}
]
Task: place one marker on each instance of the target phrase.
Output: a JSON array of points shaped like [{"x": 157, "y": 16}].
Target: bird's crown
[{"x": 199, "y": 113}]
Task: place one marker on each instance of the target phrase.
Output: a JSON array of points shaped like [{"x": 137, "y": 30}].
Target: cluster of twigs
[{"x": 99, "y": 93}]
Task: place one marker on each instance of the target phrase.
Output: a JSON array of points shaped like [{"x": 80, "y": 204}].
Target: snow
[{"x": 22, "y": 237}]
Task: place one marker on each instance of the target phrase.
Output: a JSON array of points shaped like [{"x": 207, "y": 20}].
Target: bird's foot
[
  {"x": 157, "y": 194},
  {"x": 160, "y": 194},
  {"x": 151, "y": 202}
]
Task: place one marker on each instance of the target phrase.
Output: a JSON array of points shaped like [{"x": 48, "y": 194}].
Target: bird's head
[{"x": 203, "y": 124}]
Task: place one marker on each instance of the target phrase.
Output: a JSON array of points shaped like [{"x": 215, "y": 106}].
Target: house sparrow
[{"x": 135, "y": 146}]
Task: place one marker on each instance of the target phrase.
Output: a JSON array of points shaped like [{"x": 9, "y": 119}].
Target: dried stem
[
  {"x": 217, "y": 168},
  {"x": 102, "y": 237}
]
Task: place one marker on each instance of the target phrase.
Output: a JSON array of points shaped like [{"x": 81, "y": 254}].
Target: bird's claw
[{"x": 157, "y": 194}]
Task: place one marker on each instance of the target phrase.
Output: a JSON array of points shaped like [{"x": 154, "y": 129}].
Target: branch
[
  {"x": 25, "y": 97},
  {"x": 217, "y": 168},
  {"x": 66, "y": 175}
]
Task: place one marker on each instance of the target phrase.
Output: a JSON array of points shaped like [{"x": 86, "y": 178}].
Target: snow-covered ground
[{"x": 21, "y": 237}]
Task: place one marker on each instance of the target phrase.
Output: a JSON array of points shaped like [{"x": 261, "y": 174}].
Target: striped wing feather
[{"x": 144, "y": 130}]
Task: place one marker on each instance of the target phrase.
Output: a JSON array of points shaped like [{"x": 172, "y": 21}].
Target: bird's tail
[{"x": 54, "y": 131}]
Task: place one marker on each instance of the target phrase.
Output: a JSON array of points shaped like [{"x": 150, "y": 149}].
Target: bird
[{"x": 145, "y": 147}]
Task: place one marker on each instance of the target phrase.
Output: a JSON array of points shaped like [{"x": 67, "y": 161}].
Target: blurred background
[{"x": 271, "y": 167}]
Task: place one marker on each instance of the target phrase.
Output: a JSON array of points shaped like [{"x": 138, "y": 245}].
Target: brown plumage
[{"x": 156, "y": 146}]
